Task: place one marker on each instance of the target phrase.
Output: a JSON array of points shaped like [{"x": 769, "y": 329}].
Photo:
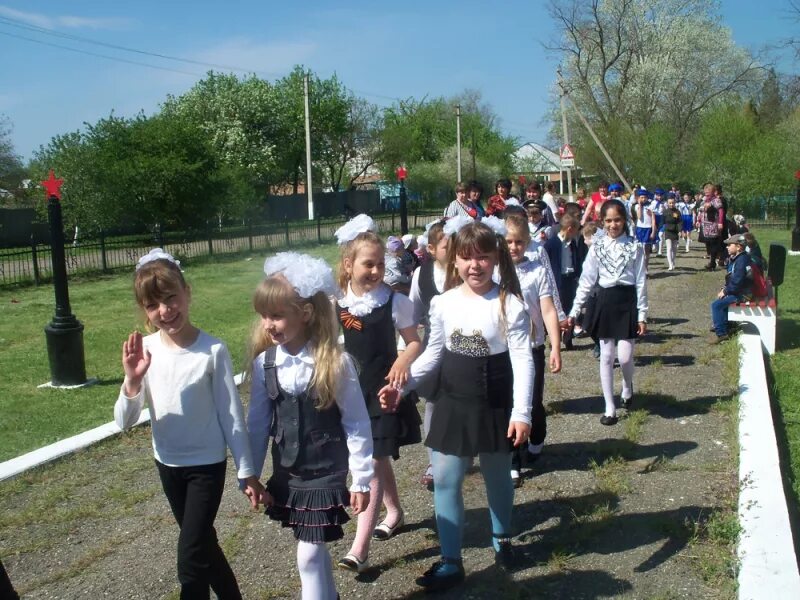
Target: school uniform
[
  {"x": 369, "y": 324},
  {"x": 312, "y": 450},
  {"x": 617, "y": 266}
]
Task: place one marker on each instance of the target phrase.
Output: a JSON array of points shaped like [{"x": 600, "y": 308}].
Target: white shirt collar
[
  {"x": 284, "y": 359},
  {"x": 360, "y": 306}
]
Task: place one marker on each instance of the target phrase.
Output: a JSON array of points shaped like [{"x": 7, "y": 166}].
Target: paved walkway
[{"x": 639, "y": 510}]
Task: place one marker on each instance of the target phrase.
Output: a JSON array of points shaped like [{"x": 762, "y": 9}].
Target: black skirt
[
  {"x": 473, "y": 405},
  {"x": 313, "y": 505},
  {"x": 390, "y": 431},
  {"x": 615, "y": 315}
]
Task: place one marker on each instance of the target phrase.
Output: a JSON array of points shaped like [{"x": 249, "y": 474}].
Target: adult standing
[
  {"x": 711, "y": 218},
  {"x": 497, "y": 203},
  {"x": 462, "y": 205},
  {"x": 595, "y": 202}
]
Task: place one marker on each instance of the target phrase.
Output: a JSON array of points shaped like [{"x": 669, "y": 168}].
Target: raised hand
[{"x": 135, "y": 362}]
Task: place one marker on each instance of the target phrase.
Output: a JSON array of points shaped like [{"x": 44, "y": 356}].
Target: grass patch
[
  {"x": 785, "y": 365},
  {"x": 611, "y": 476},
  {"x": 559, "y": 560},
  {"x": 713, "y": 547},
  {"x": 634, "y": 423},
  {"x": 222, "y": 291}
]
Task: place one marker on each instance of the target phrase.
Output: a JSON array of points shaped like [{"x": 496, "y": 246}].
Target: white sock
[{"x": 316, "y": 571}]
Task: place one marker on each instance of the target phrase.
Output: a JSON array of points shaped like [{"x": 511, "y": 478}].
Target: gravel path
[{"x": 639, "y": 510}]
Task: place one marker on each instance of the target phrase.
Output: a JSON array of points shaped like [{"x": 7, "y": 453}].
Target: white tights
[
  {"x": 316, "y": 571},
  {"x": 671, "y": 246},
  {"x": 382, "y": 491},
  {"x": 624, "y": 353}
]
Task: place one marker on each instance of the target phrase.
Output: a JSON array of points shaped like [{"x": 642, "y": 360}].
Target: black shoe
[
  {"x": 568, "y": 345},
  {"x": 626, "y": 403},
  {"x": 433, "y": 580},
  {"x": 505, "y": 558},
  {"x": 531, "y": 457},
  {"x": 606, "y": 420}
]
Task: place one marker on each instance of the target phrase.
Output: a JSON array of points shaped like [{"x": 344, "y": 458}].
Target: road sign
[
  {"x": 567, "y": 163},
  {"x": 566, "y": 153}
]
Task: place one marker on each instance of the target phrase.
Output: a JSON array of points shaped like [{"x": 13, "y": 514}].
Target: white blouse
[
  {"x": 611, "y": 262},
  {"x": 294, "y": 374},
  {"x": 360, "y": 306},
  {"x": 468, "y": 324},
  {"x": 537, "y": 281}
]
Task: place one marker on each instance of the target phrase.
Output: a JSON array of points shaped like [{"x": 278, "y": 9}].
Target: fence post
[
  {"x": 250, "y": 234},
  {"x": 392, "y": 220},
  {"x": 788, "y": 216},
  {"x": 319, "y": 230},
  {"x": 416, "y": 214},
  {"x": 35, "y": 262},
  {"x": 103, "y": 250},
  {"x": 210, "y": 231},
  {"x": 286, "y": 230}
]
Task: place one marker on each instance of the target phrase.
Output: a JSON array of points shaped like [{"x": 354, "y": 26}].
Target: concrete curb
[
  {"x": 20, "y": 464},
  {"x": 768, "y": 564}
]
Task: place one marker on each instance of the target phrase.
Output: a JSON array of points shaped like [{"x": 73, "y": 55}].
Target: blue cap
[
  {"x": 643, "y": 192},
  {"x": 659, "y": 191},
  {"x": 615, "y": 187},
  {"x": 672, "y": 195}
]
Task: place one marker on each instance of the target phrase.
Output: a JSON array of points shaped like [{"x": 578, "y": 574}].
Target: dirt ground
[{"x": 642, "y": 509}]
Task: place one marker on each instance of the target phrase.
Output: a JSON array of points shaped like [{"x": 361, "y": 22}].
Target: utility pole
[
  {"x": 474, "y": 168},
  {"x": 597, "y": 141},
  {"x": 309, "y": 193},
  {"x": 458, "y": 141},
  {"x": 566, "y": 135}
]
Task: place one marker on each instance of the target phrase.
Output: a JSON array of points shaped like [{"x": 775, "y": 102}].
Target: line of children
[{"x": 673, "y": 223}]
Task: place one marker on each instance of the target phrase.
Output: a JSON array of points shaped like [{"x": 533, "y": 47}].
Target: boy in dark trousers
[
  {"x": 737, "y": 288},
  {"x": 566, "y": 251}
]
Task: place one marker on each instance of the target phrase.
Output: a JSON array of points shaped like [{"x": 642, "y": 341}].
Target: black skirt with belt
[
  {"x": 473, "y": 405},
  {"x": 614, "y": 315}
]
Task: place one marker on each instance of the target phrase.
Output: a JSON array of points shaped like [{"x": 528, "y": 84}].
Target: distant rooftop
[{"x": 536, "y": 158}]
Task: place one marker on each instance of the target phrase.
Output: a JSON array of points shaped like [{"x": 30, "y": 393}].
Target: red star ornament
[{"x": 53, "y": 185}]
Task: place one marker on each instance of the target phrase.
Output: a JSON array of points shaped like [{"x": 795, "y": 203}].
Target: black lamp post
[
  {"x": 401, "y": 176},
  {"x": 64, "y": 333},
  {"x": 796, "y": 230}
]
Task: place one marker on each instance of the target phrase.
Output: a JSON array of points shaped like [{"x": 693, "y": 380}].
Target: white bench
[{"x": 761, "y": 312}]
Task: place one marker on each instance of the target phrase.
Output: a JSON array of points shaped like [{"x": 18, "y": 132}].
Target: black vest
[
  {"x": 372, "y": 343},
  {"x": 305, "y": 438},
  {"x": 427, "y": 286}
]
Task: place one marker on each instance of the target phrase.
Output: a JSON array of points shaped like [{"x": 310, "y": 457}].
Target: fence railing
[{"x": 104, "y": 254}]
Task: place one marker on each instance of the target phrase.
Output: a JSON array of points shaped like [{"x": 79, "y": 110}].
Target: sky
[{"x": 380, "y": 50}]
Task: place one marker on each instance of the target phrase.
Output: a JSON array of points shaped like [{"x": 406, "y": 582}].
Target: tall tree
[
  {"x": 628, "y": 64},
  {"x": 10, "y": 165}
]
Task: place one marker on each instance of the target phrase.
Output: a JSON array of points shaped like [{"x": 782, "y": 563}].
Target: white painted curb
[
  {"x": 768, "y": 565},
  {"x": 20, "y": 464}
]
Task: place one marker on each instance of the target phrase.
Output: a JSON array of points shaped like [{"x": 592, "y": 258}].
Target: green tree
[{"x": 11, "y": 170}]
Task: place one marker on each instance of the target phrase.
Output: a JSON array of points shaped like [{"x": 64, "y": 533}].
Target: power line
[
  {"x": 44, "y": 31},
  {"x": 98, "y": 55}
]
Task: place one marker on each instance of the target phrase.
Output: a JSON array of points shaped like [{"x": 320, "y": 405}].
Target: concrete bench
[{"x": 762, "y": 313}]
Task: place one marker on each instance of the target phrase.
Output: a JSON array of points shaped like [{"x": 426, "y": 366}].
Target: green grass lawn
[
  {"x": 786, "y": 361},
  {"x": 32, "y": 417}
]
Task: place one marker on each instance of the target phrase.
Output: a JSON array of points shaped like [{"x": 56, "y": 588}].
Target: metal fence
[{"x": 104, "y": 254}]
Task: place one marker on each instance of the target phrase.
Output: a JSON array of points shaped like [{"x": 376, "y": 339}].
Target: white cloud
[
  {"x": 63, "y": 21},
  {"x": 268, "y": 59}
]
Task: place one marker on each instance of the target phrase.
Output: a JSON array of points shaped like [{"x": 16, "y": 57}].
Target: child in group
[
  {"x": 185, "y": 376},
  {"x": 657, "y": 207},
  {"x": 642, "y": 214},
  {"x": 306, "y": 396},
  {"x": 566, "y": 252},
  {"x": 397, "y": 274},
  {"x": 480, "y": 348},
  {"x": 686, "y": 208},
  {"x": 616, "y": 262},
  {"x": 428, "y": 282},
  {"x": 540, "y": 293},
  {"x": 370, "y": 314},
  {"x": 737, "y": 288},
  {"x": 539, "y": 231},
  {"x": 754, "y": 250},
  {"x": 673, "y": 223}
]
